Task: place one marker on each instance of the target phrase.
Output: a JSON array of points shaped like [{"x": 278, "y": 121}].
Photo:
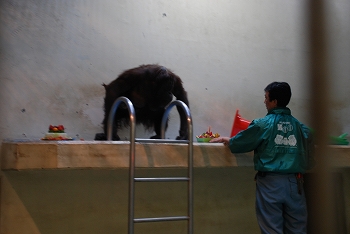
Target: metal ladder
[{"x": 189, "y": 179}]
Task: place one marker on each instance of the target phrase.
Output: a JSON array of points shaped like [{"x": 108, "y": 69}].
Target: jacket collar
[{"x": 280, "y": 110}]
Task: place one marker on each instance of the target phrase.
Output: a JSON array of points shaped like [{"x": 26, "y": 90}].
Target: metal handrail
[
  {"x": 131, "y": 116},
  {"x": 190, "y": 154},
  {"x": 132, "y": 179},
  {"x": 132, "y": 148}
]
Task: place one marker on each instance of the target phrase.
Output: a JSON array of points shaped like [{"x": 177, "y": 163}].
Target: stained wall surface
[{"x": 56, "y": 54}]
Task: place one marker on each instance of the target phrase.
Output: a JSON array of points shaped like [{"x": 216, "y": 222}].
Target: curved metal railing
[
  {"x": 132, "y": 117},
  {"x": 132, "y": 179}
]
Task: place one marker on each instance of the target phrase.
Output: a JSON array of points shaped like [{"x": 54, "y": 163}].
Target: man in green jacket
[{"x": 282, "y": 153}]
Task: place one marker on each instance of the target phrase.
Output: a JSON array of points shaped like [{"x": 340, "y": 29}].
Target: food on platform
[
  {"x": 56, "y": 133},
  {"x": 207, "y": 136}
]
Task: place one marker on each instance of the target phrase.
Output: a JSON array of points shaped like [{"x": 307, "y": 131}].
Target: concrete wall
[
  {"x": 96, "y": 201},
  {"x": 55, "y": 55}
]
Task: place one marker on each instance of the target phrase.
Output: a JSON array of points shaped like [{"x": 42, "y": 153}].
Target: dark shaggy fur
[{"x": 150, "y": 88}]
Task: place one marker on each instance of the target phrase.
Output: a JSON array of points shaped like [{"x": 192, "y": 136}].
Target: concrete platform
[
  {"x": 20, "y": 155},
  {"x": 36, "y": 154}
]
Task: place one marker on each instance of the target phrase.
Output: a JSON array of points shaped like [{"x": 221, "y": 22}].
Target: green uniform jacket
[{"x": 280, "y": 142}]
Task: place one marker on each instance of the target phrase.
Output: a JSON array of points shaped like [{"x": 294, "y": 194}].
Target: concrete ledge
[{"x": 21, "y": 155}]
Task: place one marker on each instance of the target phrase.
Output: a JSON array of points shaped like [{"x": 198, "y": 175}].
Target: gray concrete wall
[
  {"x": 55, "y": 55},
  {"x": 96, "y": 201}
]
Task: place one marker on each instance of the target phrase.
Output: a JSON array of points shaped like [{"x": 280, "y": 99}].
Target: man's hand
[{"x": 224, "y": 140}]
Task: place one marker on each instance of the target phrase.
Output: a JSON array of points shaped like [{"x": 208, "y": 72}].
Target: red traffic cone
[{"x": 239, "y": 124}]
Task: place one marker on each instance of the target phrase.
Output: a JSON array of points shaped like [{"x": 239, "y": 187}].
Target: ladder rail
[
  {"x": 161, "y": 219},
  {"x": 190, "y": 154},
  {"x": 161, "y": 179},
  {"x": 132, "y": 179},
  {"x": 132, "y": 117}
]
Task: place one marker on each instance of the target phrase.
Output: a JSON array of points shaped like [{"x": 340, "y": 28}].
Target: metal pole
[
  {"x": 132, "y": 152},
  {"x": 321, "y": 217},
  {"x": 190, "y": 154}
]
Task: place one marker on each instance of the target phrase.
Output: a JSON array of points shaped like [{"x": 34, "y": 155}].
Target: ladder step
[
  {"x": 161, "y": 179},
  {"x": 161, "y": 141},
  {"x": 161, "y": 219}
]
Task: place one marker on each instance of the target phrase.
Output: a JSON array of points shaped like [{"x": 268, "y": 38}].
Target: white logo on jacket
[
  {"x": 291, "y": 140},
  {"x": 285, "y": 127}
]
